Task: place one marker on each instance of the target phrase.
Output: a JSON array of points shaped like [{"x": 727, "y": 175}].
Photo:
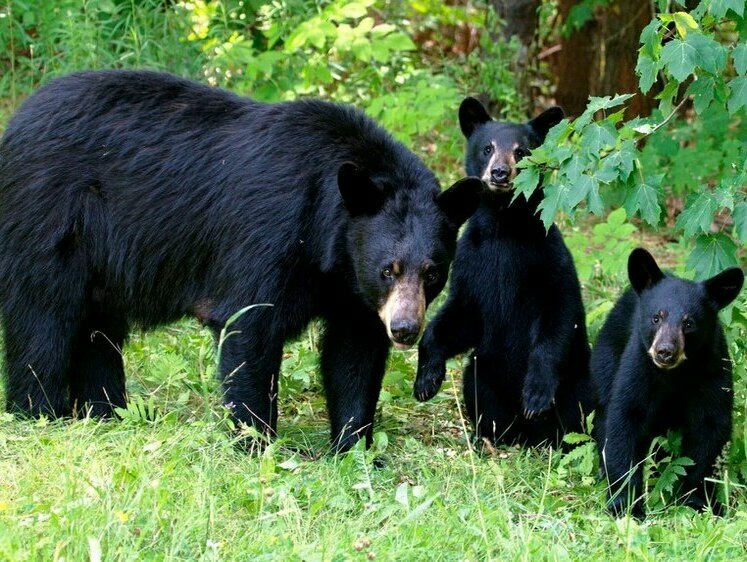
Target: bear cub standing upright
[
  {"x": 515, "y": 299},
  {"x": 661, "y": 362}
]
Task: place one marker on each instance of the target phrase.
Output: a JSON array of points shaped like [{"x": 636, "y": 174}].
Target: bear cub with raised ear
[
  {"x": 515, "y": 301},
  {"x": 661, "y": 362}
]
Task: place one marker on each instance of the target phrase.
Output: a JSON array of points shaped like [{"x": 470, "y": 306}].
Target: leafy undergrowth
[{"x": 167, "y": 482}]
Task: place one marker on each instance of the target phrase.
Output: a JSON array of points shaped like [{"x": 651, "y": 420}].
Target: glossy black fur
[
  {"x": 137, "y": 198},
  {"x": 514, "y": 304},
  {"x": 639, "y": 400}
]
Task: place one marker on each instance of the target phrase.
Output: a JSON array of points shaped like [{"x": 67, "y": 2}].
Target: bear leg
[
  {"x": 352, "y": 363},
  {"x": 250, "y": 358},
  {"x": 96, "y": 372},
  {"x": 38, "y": 340},
  {"x": 490, "y": 399}
]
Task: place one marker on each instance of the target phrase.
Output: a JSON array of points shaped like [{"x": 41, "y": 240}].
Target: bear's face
[
  {"x": 401, "y": 248},
  {"x": 678, "y": 317},
  {"x": 494, "y": 148}
]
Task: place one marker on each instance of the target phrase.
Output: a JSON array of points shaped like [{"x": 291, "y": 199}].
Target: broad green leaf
[
  {"x": 712, "y": 253},
  {"x": 624, "y": 157},
  {"x": 647, "y": 69},
  {"x": 399, "y": 42},
  {"x": 738, "y": 96},
  {"x": 702, "y": 91},
  {"x": 617, "y": 218},
  {"x": 644, "y": 198},
  {"x": 698, "y": 216},
  {"x": 711, "y": 55},
  {"x": 580, "y": 189},
  {"x": 684, "y": 23},
  {"x": 353, "y": 10},
  {"x": 572, "y": 168},
  {"x": 598, "y": 104},
  {"x": 650, "y": 39},
  {"x": 740, "y": 221},
  {"x": 555, "y": 197},
  {"x": 679, "y": 58},
  {"x": 718, "y": 8},
  {"x": 594, "y": 200},
  {"x": 740, "y": 58},
  {"x": 526, "y": 182},
  {"x": 595, "y": 137}
]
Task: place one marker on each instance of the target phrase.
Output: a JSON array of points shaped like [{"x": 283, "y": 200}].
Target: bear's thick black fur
[
  {"x": 136, "y": 198},
  {"x": 514, "y": 300},
  {"x": 661, "y": 362}
]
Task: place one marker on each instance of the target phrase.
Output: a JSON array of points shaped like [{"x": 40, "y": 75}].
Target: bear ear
[
  {"x": 546, "y": 121},
  {"x": 461, "y": 199},
  {"x": 642, "y": 270},
  {"x": 471, "y": 114},
  {"x": 724, "y": 287},
  {"x": 359, "y": 193}
]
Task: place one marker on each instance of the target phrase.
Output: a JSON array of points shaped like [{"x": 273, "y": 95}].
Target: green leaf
[
  {"x": 719, "y": 8},
  {"x": 644, "y": 198},
  {"x": 647, "y": 69},
  {"x": 738, "y": 96},
  {"x": 399, "y": 42},
  {"x": 679, "y": 58},
  {"x": 698, "y": 216},
  {"x": 684, "y": 23},
  {"x": 740, "y": 58},
  {"x": 711, "y": 55},
  {"x": 353, "y": 10},
  {"x": 581, "y": 188},
  {"x": 595, "y": 137},
  {"x": 576, "y": 438},
  {"x": 650, "y": 39},
  {"x": 526, "y": 182},
  {"x": 702, "y": 91},
  {"x": 555, "y": 197},
  {"x": 739, "y": 215},
  {"x": 712, "y": 253}
]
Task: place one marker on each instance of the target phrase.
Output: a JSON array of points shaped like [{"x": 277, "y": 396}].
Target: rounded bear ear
[
  {"x": 471, "y": 114},
  {"x": 461, "y": 199},
  {"x": 725, "y": 286},
  {"x": 359, "y": 193},
  {"x": 642, "y": 270},
  {"x": 546, "y": 121}
]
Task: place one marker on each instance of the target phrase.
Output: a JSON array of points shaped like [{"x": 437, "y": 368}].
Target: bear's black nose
[
  {"x": 405, "y": 331},
  {"x": 499, "y": 174},
  {"x": 665, "y": 354}
]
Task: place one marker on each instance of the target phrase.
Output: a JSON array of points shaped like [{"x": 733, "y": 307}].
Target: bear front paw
[
  {"x": 427, "y": 383},
  {"x": 537, "y": 398}
]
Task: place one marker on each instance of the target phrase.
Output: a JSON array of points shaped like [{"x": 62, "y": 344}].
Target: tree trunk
[{"x": 599, "y": 58}]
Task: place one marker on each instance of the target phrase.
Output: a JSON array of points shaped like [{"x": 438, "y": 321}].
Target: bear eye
[
  {"x": 387, "y": 273},
  {"x": 688, "y": 324},
  {"x": 520, "y": 153},
  {"x": 487, "y": 150},
  {"x": 431, "y": 275},
  {"x": 656, "y": 318}
]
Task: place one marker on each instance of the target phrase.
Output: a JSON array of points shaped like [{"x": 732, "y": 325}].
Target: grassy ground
[{"x": 167, "y": 483}]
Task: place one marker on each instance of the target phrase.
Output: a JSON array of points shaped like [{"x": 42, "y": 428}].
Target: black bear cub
[
  {"x": 514, "y": 300},
  {"x": 133, "y": 198},
  {"x": 661, "y": 362}
]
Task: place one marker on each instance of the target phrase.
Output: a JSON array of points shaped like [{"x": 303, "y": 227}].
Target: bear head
[
  {"x": 495, "y": 147},
  {"x": 677, "y": 317},
  {"x": 401, "y": 239}
]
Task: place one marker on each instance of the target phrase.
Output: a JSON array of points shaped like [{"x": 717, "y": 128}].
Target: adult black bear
[
  {"x": 514, "y": 299},
  {"x": 132, "y": 197},
  {"x": 661, "y": 362}
]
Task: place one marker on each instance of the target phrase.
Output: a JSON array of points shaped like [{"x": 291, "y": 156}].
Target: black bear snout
[
  {"x": 500, "y": 174},
  {"x": 405, "y": 331},
  {"x": 665, "y": 354}
]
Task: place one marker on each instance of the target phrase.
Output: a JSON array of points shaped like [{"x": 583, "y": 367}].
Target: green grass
[{"x": 168, "y": 483}]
